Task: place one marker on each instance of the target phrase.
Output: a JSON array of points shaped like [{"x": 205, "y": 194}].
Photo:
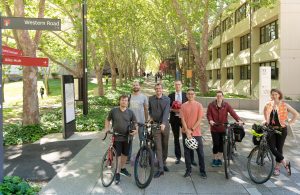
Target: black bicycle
[
  {"x": 260, "y": 163},
  {"x": 144, "y": 162},
  {"x": 229, "y": 145}
]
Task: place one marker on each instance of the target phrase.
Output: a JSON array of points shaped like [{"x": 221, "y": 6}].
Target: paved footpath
[{"x": 81, "y": 174}]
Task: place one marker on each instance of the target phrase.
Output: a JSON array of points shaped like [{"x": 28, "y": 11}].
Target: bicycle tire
[
  {"x": 225, "y": 152},
  {"x": 260, "y": 165},
  {"x": 109, "y": 161},
  {"x": 144, "y": 161}
]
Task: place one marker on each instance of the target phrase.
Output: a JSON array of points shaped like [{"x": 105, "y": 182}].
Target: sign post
[
  {"x": 264, "y": 86},
  {"x": 12, "y": 56},
  {"x": 69, "y": 122},
  {"x": 84, "y": 51}
]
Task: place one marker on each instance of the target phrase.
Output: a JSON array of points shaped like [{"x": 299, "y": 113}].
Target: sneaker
[
  {"x": 214, "y": 163},
  {"x": 117, "y": 179},
  {"x": 219, "y": 163},
  {"x": 187, "y": 174},
  {"x": 125, "y": 172},
  {"x": 203, "y": 175}
]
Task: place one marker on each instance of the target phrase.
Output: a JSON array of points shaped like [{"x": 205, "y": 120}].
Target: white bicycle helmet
[{"x": 191, "y": 143}]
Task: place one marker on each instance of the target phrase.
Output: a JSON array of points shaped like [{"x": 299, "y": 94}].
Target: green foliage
[
  {"x": 287, "y": 98},
  {"x": 18, "y": 134},
  {"x": 17, "y": 185}
]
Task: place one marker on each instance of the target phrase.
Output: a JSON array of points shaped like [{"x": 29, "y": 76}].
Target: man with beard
[{"x": 138, "y": 103}]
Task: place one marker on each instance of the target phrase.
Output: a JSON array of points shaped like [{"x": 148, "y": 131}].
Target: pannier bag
[{"x": 239, "y": 133}]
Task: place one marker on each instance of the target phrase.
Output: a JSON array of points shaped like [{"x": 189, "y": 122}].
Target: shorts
[{"x": 122, "y": 147}]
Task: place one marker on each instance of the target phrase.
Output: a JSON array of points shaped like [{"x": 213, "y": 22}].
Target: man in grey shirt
[
  {"x": 138, "y": 103},
  {"x": 123, "y": 122},
  {"x": 159, "y": 109}
]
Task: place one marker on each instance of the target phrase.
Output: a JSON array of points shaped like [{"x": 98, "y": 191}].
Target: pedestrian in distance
[
  {"x": 42, "y": 91},
  {"x": 159, "y": 109},
  {"x": 138, "y": 103},
  {"x": 191, "y": 113},
  {"x": 217, "y": 115},
  {"x": 276, "y": 115},
  {"x": 177, "y": 98},
  {"x": 123, "y": 122}
]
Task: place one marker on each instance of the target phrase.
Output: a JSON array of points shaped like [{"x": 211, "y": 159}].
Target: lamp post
[{"x": 84, "y": 59}]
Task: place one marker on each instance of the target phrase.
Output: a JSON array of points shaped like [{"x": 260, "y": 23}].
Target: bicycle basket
[{"x": 239, "y": 133}]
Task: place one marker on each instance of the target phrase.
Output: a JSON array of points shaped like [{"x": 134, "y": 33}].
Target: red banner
[
  {"x": 11, "y": 51},
  {"x": 24, "y": 61}
]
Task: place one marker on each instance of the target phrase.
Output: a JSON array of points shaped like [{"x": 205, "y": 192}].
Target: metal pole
[
  {"x": 84, "y": 50},
  {"x": 1, "y": 111},
  {"x": 250, "y": 49}
]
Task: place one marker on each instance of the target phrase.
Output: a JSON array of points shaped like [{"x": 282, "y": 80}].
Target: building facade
[{"x": 247, "y": 37}]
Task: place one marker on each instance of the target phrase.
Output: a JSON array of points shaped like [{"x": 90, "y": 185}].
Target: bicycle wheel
[
  {"x": 226, "y": 158},
  {"x": 109, "y": 167},
  {"x": 260, "y": 164},
  {"x": 143, "y": 167}
]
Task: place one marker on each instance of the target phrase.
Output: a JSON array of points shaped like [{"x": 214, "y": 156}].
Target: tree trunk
[
  {"x": 99, "y": 76},
  {"x": 46, "y": 81},
  {"x": 192, "y": 42},
  {"x": 30, "y": 73}
]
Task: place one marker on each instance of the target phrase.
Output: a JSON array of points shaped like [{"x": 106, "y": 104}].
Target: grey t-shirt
[
  {"x": 137, "y": 103},
  {"x": 121, "y": 120}
]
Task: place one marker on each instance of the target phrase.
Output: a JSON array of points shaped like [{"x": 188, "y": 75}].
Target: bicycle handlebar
[
  {"x": 228, "y": 124},
  {"x": 113, "y": 133}
]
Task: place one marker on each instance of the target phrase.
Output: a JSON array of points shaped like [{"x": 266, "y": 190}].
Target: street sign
[
  {"x": 24, "y": 61},
  {"x": 11, "y": 51},
  {"x": 31, "y": 23}
]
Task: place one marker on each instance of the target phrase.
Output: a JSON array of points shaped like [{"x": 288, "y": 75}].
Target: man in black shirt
[
  {"x": 159, "y": 109},
  {"x": 123, "y": 122}
]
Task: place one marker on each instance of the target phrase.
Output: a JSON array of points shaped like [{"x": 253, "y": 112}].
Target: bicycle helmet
[{"x": 191, "y": 143}]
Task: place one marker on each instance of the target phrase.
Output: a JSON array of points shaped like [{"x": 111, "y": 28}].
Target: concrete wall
[{"x": 289, "y": 76}]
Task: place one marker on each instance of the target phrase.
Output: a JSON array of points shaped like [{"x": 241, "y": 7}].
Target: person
[
  {"x": 217, "y": 115},
  {"x": 42, "y": 91},
  {"x": 176, "y": 99},
  {"x": 191, "y": 113},
  {"x": 159, "y": 109},
  {"x": 106, "y": 79},
  {"x": 276, "y": 115},
  {"x": 123, "y": 120},
  {"x": 138, "y": 103}
]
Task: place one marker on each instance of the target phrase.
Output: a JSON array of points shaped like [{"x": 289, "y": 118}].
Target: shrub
[{"x": 16, "y": 185}]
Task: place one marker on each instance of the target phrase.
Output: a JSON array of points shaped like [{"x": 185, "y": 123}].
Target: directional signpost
[{"x": 14, "y": 56}]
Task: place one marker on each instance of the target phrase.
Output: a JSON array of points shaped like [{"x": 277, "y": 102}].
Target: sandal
[
  {"x": 288, "y": 169},
  {"x": 276, "y": 171}
]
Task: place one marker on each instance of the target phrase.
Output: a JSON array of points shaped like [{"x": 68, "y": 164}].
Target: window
[
  {"x": 269, "y": 32},
  {"x": 274, "y": 69},
  {"x": 210, "y": 55},
  {"x": 218, "y": 52},
  {"x": 210, "y": 74},
  {"x": 216, "y": 31},
  {"x": 229, "y": 48},
  {"x": 245, "y": 72},
  {"x": 230, "y": 73},
  {"x": 245, "y": 42},
  {"x": 227, "y": 23},
  {"x": 241, "y": 12},
  {"x": 218, "y": 74}
]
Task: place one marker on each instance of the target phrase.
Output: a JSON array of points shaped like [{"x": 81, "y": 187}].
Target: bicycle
[
  {"x": 144, "y": 162},
  {"x": 229, "y": 145},
  {"x": 260, "y": 163},
  {"x": 109, "y": 161}
]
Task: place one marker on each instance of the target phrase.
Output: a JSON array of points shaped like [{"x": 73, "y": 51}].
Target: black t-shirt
[
  {"x": 121, "y": 121},
  {"x": 274, "y": 120}
]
